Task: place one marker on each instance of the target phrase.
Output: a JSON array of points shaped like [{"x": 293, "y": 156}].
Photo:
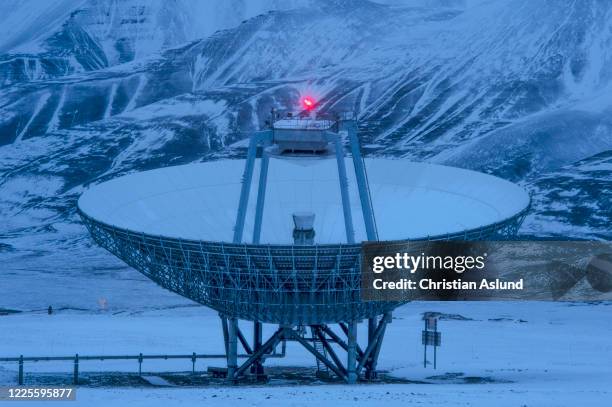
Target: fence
[{"x": 76, "y": 359}]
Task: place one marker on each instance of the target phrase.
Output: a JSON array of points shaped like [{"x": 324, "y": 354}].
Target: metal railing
[{"x": 76, "y": 359}]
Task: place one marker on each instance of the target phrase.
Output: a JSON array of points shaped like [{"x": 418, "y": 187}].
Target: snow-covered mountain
[
  {"x": 47, "y": 39},
  {"x": 96, "y": 88}
]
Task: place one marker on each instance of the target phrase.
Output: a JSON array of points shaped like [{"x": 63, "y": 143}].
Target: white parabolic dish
[{"x": 200, "y": 201}]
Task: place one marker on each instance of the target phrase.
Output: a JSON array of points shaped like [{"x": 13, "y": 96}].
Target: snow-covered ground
[{"x": 506, "y": 354}]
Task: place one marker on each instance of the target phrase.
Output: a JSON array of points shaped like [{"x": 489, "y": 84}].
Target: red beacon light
[{"x": 308, "y": 103}]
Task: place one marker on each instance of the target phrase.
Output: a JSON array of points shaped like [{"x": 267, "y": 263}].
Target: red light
[{"x": 308, "y": 103}]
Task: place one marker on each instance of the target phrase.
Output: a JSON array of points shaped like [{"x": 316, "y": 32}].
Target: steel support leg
[
  {"x": 386, "y": 319},
  {"x": 369, "y": 373},
  {"x": 261, "y": 197},
  {"x": 372, "y": 325},
  {"x": 370, "y": 354},
  {"x": 257, "y": 368},
  {"x": 245, "y": 190},
  {"x": 268, "y": 346},
  {"x": 232, "y": 354},
  {"x": 243, "y": 340},
  {"x": 346, "y": 204},
  {"x": 362, "y": 184},
  {"x": 224, "y": 328},
  {"x": 351, "y": 362},
  {"x": 346, "y": 332},
  {"x": 247, "y": 177}
]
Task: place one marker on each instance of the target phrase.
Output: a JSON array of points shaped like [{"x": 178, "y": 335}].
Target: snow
[
  {"x": 111, "y": 99},
  {"x": 22, "y": 22},
  {"x": 182, "y": 106},
  {"x": 148, "y": 26},
  {"x": 199, "y": 201},
  {"x": 519, "y": 89},
  {"x": 39, "y": 105},
  {"x": 142, "y": 81},
  {"x": 506, "y": 354}
]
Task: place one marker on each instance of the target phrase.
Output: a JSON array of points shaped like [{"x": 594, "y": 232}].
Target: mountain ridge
[{"x": 517, "y": 90}]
